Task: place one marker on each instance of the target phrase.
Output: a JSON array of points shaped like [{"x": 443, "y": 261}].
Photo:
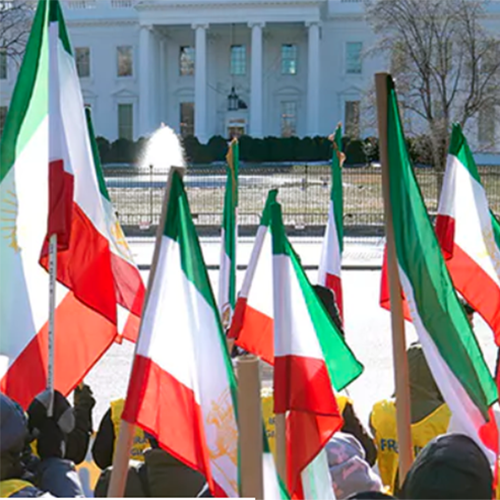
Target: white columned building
[
  {"x": 313, "y": 79},
  {"x": 145, "y": 80},
  {"x": 200, "y": 82},
  {"x": 256, "y": 102}
]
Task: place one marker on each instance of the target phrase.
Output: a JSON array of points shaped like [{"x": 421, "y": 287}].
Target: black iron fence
[{"x": 304, "y": 191}]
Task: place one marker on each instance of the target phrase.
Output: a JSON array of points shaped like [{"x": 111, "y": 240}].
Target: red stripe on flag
[
  {"x": 385, "y": 293},
  {"x": 85, "y": 267},
  {"x": 130, "y": 288},
  {"x": 334, "y": 283},
  {"x": 445, "y": 232},
  {"x": 168, "y": 410},
  {"x": 81, "y": 337},
  {"x": 253, "y": 330},
  {"x": 60, "y": 203},
  {"x": 480, "y": 291},
  {"x": 303, "y": 387}
]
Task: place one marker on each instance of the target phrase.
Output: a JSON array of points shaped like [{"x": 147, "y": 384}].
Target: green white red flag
[
  {"x": 45, "y": 142},
  {"x": 469, "y": 234},
  {"x": 311, "y": 360},
  {"x": 182, "y": 386},
  {"x": 129, "y": 286},
  {"x": 331, "y": 254},
  {"x": 252, "y": 325},
  {"x": 229, "y": 237},
  {"x": 450, "y": 346}
]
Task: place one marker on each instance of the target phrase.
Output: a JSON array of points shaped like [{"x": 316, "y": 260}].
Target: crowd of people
[{"x": 40, "y": 448}]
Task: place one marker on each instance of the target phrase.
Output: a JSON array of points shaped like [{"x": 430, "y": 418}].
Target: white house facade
[{"x": 216, "y": 67}]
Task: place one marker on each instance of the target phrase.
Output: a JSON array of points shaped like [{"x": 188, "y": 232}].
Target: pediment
[{"x": 124, "y": 93}]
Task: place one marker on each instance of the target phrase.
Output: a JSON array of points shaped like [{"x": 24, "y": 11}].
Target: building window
[
  {"x": 125, "y": 60},
  {"x": 288, "y": 118},
  {"x": 238, "y": 60},
  {"x": 187, "y": 118},
  {"x": 351, "y": 118},
  {"x": 82, "y": 56},
  {"x": 288, "y": 59},
  {"x": 353, "y": 65},
  {"x": 186, "y": 61},
  {"x": 3, "y": 65},
  {"x": 486, "y": 127},
  {"x": 3, "y": 115},
  {"x": 126, "y": 121}
]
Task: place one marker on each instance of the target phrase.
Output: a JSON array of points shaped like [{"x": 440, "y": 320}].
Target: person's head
[
  {"x": 450, "y": 466},
  {"x": 349, "y": 471},
  {"x": 469, "y": 311},
  {"x": 13, "y": 432},
  {"x": 421, "y": 379},
  {"x": 328, "y": 300},
  {"x": 370, "y": 495}
]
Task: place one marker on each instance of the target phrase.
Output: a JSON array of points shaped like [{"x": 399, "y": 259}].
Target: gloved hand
[
  {"x": 51, "y": 432},
  {"x": 83, "y": 397}
]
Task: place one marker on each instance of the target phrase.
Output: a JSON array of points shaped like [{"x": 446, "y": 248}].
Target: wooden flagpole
[
  {"x": 124, "y": 443},
  {"x": 280, "y": 429},
  {"x": 52, "y": 313},
  {"x": 250, "y": 427},
  {"x": 401, "y": 374}
]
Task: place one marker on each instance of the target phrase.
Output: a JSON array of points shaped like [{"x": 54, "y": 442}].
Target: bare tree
[
  {"x": 446, "y": 64},
  {"x": 15, "y": 24}
]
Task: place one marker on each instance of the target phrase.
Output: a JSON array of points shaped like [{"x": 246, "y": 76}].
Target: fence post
[{"x": 151, "y": 195}]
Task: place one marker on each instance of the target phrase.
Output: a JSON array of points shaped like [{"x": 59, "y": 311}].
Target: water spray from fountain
[{"x": 163, "y": 150}]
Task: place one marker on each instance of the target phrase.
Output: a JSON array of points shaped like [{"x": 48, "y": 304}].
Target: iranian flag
[
  {"x": 311, "y": 360},
  {"x": 129, "y": 286},
  {"x": 229, "y": 237},
  {"x": 331, "y": 253},
  {"x": 274, "y": 489},
  {"x": 449, "y": 344},
  {"x": 469, "y": 234},
  {"x": 182, "y": 386},
  {"x": 252, "y": 325},
  {"x": 46, "y": 166}
]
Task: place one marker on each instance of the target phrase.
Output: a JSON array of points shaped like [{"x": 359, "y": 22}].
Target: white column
[
  {"x": 163, "y": 80},
  {"x": 313, "y": 79},
  {"x": 256, "y": 80},
  {"x": 200, "y": 83},
  {"x": 145, "y": 47}
]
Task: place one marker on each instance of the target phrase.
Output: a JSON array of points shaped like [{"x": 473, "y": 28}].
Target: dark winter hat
[
  {"x": 13, "y": 425},
  {"x": 328, "y": 299},
  {"x": 451, "y": 466},
  {"x": 371, "y": 495}
]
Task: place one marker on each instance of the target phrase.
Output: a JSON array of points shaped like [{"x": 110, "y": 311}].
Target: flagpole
[
  {"x": 119, "y": 472},
  {"x": 280, "y": 426},
  {"x": 250, "y": 427},
  {"x": 52, "y": 309},
  {"x": 403, "y": 408}
]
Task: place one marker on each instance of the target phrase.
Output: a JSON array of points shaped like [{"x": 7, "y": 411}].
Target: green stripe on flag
[
  {"x": 460, "y": 149},
  {"x": 179, "y": 227},
  {"x": 265, "y": 219},
  {"x": 95, "y": 155},
  {"x": 56, "y": 16},
  {"x": 30, "y": 100},
  {"x": 420, "y": 258},
  {"x": 343, "y": 367},
  {"x": 229, "y": 215},
  {"x": 336, "y": 194}
]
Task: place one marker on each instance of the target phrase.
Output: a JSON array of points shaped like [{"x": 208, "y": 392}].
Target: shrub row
[{"x": 269, "y": 149}]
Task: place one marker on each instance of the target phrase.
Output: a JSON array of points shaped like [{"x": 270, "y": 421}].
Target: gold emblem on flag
[
  {"x": 491, "y": 251},
  {"x": 120, "y": 241},
  {"x": 222, "y": 417},
  {"x": 8, "y": 217},
  {"x": 226, "y": 316}
]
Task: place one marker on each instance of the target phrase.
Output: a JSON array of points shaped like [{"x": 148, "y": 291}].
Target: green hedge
[{"x": 269, "y": 149}]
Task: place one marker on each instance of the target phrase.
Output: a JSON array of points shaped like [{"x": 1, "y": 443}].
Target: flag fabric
[
  {"x": 449, "y": 344},
  {"x": 182, "y": 386},
  {"x": 252, "y": 323},
  {"x": 274, "y": 489},
  {"x": 469, "y": 234},
  {"x": 229, "y": 237},
  {"x": 36, "y": 166},
  {"x": 129, "y": 286},
  {"x": 311, "y": 360},
  {"x": 331, "y": 254}
]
